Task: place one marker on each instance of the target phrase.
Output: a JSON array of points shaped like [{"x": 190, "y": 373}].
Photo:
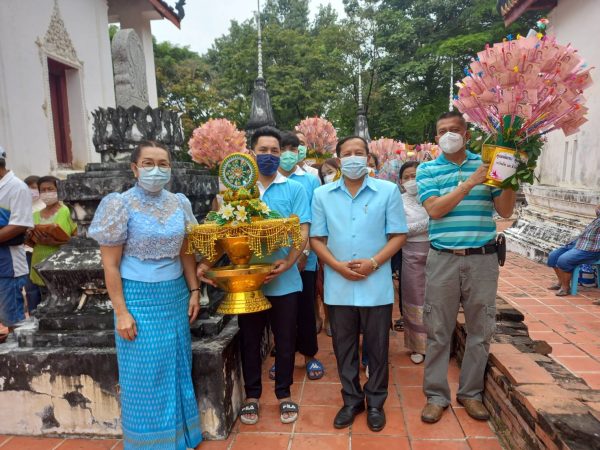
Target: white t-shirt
[{"x": 15, "y": 209}]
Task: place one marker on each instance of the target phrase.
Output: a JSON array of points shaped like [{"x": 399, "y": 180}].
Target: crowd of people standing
[
  {"x": 439, "y": 216},
  {"x": 34, "y": 223}
]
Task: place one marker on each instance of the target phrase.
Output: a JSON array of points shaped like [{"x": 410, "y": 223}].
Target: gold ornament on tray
[{"x": 244, "y": 227}]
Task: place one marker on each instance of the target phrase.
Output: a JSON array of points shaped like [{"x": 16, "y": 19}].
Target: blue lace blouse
[{"x": 150, "y": 226}]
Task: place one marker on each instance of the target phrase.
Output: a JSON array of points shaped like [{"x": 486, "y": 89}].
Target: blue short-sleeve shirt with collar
[
  {"x": 358, "y": 227},
  {"x": 287, "y": 197},
  {"x": 471, "y": 223},
  {"x": 310, "y": 183}
]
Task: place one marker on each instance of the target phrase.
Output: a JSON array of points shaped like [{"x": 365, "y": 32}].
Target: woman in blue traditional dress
[{"x": 151, "y": 281}]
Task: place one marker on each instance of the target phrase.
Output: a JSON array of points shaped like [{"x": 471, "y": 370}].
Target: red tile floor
[
  {"x": 319, "y": 401},
  {"x": 571, "y": 325}
]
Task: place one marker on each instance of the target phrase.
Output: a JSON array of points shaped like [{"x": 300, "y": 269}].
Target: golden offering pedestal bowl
[
  {"x": 242, "y": 287},
  {"x": 241, "y": 281},
  {"x": 242, "y": 228}
]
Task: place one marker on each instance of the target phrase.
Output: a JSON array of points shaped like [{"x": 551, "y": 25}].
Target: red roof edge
[
  {"x": 166, "y": 11},
  {"x": 527, "y": 5}
]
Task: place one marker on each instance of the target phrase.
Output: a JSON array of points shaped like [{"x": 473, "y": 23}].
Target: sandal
[
  {"x": 562, "y": 293},
  {"x": 249, "y": 409},
  {"x": 272, "y": 372},
  {"x": 399, "y": 325},
  {"x": 417, "y": 358},
  {"x": 290, "y": 408},
  {"x": 314, "y": 369},
  {"x": 554, "y": 287}
]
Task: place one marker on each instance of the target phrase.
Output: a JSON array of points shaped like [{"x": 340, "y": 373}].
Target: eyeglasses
[{"x": 149, "y": 165}]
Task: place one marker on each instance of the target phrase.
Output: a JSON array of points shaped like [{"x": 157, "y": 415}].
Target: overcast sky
[{"x": 206, "y": 20}]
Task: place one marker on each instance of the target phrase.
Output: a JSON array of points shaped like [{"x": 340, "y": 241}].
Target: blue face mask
[
  {"x": 354, "y": 167},
  {"x": 153, "y": 180},
  {"x": 267, "y": 163}
]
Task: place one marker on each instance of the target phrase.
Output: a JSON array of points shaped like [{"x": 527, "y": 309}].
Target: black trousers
[
  {"x": 346, "y": 324},
  {"x": 306, "y": 341},
  {"x": 282, "y": 318}
]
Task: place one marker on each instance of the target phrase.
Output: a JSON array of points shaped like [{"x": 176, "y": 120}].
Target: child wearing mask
[
  {"x": 55, "y": 213},
  {"x": 32, "y": 183},
  {"x": 32, "y": 291}
]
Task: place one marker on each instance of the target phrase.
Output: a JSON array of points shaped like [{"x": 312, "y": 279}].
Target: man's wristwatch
[
  {"x": 375, "y": 265},
  {"x": 306, "y": 252}
]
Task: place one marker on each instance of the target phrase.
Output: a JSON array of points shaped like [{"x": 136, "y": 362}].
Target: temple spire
[
  {"x": 261, "y": 112},
  {"x": 361, "y": 127},
  {"x": 451, "y": 105},
  {"x": 260, "y": 56}
]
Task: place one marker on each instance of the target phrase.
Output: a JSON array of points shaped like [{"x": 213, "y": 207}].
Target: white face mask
[
  {"x": 410, "y": 187},
  {"x": 35, "y": 194},
  {"x": 354, "y": 167},
  {"x": 451, "y": 142},
  {"x": 329, "y": 178},
  {"x": 49, "y": 198}
]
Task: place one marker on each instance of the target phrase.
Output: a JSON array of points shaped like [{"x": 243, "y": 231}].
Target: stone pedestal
[
  {"x": 60, "y": 374},
  {"x": 73, "y": 390},
  {"x": 552, "y": 217}
]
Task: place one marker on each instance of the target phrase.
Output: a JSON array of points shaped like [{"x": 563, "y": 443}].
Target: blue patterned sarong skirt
[{"x": 158, "y": 406}]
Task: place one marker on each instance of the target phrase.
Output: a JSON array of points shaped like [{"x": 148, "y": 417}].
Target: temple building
[
  {"x": 56, "y": 68},
  {"x": 564, "y": 198}
]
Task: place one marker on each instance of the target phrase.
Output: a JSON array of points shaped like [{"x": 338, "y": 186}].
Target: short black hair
[
  {"x": 289, "y": 138},
  {"x": 48, "y": 179},
  {"x": 407, "y": 165},
  {"x": 333, "y": 162},
  {"x": 31, "y": 179},
  {"x": 452, "y": 115},
  {"x": 135, "y": 155},
  {"x": 338, "y": 147},
  {"x": 262, "y": 132}
]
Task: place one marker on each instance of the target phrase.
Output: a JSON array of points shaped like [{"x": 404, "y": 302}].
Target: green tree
[
  {"x": 416, "y": 41},
  {"x": 405, "y": 47}
]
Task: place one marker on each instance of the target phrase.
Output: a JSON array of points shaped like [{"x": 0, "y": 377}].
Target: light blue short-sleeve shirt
[
  {"x": 287, "y": 197},
  {"x": 310, "y": 183},
  {"x": 358, "y": 228}
]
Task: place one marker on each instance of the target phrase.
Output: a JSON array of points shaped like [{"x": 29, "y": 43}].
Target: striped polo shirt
[{"x": 471, "y": 223}]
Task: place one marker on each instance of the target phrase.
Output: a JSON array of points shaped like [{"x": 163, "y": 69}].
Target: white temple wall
[
  {"x": 574, "y": 161},
  {"x": 26, "y": 127}
]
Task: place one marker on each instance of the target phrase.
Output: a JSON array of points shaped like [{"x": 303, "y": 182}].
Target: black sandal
[
  {"x": 288, "y": 407},
  {"x": 247, "y": 409},
  {"x": 399, "y": 325}
]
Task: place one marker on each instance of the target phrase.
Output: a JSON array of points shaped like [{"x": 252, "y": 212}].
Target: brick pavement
[
  {"x": 319, "y": 402},
  {"x": 571, "y": 325}
]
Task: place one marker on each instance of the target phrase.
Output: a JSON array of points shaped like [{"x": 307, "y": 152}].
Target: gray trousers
[
  {"x": 346, "y": 324},
  {"x": 450, "y": 280}
]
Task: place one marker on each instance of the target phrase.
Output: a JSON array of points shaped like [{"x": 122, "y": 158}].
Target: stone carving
[
  {"x": 117, "y": 131},
  {"x": 129, "y": 65},
  {"x": 57, "y": 42}
]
